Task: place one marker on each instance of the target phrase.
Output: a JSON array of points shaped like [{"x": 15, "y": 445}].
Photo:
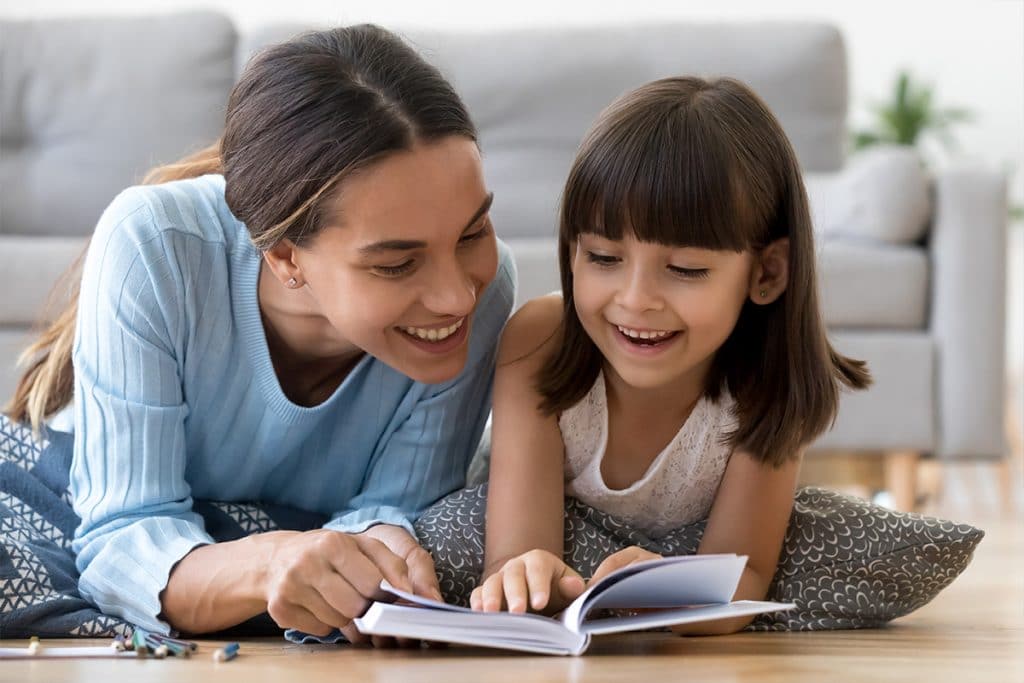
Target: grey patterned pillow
[{"x": 846, "y": 563}]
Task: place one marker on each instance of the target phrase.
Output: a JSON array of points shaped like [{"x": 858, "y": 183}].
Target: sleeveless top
[{"x": 680, "y": 484}]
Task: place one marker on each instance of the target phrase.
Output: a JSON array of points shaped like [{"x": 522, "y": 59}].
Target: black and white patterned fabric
[{"x": 845, "y": 563}]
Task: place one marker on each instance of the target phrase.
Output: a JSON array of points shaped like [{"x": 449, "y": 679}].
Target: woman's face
[{"x": 401, "y": 272}]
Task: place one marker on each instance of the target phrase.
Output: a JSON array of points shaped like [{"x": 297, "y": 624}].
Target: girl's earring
[
  {"x": 764, "y": 293},
  {"x": 293, "y": 283}
]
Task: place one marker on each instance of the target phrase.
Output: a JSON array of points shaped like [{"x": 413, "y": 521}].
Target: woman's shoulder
[
  {"x": 532, "y": 331},
  {"x": 183, "y": 208}
]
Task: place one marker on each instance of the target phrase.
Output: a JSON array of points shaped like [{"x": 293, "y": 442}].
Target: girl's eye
[
  {"x": 690, "y": 273},
  {"x": 395, "y": 271},
  {"x": 601, "y": 259}
]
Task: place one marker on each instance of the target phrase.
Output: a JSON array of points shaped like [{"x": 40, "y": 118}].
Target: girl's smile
[{"x": 645, "y": 342}]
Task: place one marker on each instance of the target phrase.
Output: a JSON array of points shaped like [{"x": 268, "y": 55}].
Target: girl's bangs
[{"x": 664, "y": 182}]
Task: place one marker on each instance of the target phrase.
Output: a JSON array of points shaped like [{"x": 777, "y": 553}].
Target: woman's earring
[
  {"x": 292, "y": 282},
  {"x": 764, "y": 293}
]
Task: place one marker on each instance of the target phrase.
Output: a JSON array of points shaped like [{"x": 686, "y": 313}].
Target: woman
[{"x": 307, "y": 315}]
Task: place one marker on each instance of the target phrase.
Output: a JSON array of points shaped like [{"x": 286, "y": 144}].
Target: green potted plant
[{"x": 910, "y": 112}]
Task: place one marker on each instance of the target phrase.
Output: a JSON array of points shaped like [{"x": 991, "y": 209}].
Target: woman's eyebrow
[{"x": 406, "y": 245}]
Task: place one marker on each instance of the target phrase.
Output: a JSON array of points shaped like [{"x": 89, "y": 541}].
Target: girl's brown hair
[
  {"x": 697, "y": 163},
  {"x": 304, "y": 115}
]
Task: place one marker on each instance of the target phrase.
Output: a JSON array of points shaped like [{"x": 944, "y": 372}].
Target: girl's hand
[
  {"x": 536, "y": 579},
  {"x": 319, "y": 580},
  {"x": 622, "y": 558}
]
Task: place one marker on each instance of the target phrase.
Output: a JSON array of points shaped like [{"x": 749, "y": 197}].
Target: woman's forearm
[{"x": 218, "y": 586}]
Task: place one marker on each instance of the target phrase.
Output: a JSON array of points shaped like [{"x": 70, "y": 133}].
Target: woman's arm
[
  {"x": 749, "y": 517},
  {"x": 313, "y": 581}
]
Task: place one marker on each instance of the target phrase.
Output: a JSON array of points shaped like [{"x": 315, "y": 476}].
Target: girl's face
[
  {"x": 658, "y": 313},
  {"x": 401, "y": 273}
]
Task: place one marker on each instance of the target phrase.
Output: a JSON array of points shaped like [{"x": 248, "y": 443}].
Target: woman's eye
[
  {"x": 395, "y": 271},
  {"x": 690, "y": 273},
  {"x": 601, "y": 259},
  {"x": 472, "y": 237}
]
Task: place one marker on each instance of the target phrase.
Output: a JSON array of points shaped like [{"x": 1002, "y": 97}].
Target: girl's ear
[
  {"x": 282, "y": 262},
  {"x": 770, "y": 274}
]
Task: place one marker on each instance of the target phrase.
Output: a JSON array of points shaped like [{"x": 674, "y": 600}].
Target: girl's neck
[{"x": 673, "y": 401}]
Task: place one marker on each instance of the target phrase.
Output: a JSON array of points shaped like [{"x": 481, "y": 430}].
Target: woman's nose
[{"x": 451, "y": 292}]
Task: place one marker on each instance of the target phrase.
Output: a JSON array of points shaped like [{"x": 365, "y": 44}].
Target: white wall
[{"x": 973, "y": 51}]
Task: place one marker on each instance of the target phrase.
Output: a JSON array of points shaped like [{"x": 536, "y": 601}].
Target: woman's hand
[
  {"x": 319, "y": 580},
  {"x": 537, "y": 579},
  {"x": 623, "y": 558},
  {"x": 422, "y": 575}
]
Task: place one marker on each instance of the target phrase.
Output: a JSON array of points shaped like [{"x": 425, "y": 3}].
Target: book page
[
  {"x": 666, "y": 582},
  {"x": 419, "y": 599}
]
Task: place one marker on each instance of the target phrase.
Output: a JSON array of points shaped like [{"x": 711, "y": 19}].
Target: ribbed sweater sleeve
[{"x": 128, "y": 471}]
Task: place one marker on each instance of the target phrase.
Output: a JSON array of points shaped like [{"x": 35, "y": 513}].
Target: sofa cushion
[
  {"x": 880, "y": 195},
  {"x": 89, "y": 105},
  {"x": 534, "y": 93},
  {"x": 32, "y": 266},
  {"x": 873, "y": 286}
]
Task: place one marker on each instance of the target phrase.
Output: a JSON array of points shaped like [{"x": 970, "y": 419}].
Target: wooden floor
[{"x": 974, "y": 631}]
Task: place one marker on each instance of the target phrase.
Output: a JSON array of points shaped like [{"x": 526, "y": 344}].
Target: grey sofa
[{"x": 911, "y": 266}]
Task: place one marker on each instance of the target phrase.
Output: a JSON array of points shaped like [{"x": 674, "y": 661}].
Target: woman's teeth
[{"x": 433, "y": 334}]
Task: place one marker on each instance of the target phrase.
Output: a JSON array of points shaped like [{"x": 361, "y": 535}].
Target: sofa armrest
[{"x": 968, "y": 321}]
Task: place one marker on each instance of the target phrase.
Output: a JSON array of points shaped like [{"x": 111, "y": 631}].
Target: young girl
[
  {"x": 685, "y": 367},
  {"x": 306, "y": 316}
]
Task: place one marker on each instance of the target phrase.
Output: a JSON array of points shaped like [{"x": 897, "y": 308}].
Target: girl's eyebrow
[{"x": 407, "y": 245}]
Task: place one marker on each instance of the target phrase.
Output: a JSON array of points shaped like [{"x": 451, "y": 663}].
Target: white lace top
[{"x": 679, "y": 486}]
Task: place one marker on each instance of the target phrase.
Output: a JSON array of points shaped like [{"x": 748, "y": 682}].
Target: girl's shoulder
[{"x": 533, "y": 331}]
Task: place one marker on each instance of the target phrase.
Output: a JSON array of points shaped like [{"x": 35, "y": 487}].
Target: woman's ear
[
  {"x": 770, "y": 274},
  {"x": 281, "y": 260}
]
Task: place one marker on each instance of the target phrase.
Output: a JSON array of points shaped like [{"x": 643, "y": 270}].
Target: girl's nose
[{"x": 639, "y": 292}]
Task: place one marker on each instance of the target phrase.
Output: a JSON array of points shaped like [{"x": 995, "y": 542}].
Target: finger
[
  {"x": 342, "y": 596},
  {"x": 539, "y": 576},
  {"x": 423, "y": 575},
  {"x": 389, "y": 565},
  {"x": 513, "y": 582},
  {"x": 570, "y": 586},
  {"x": 409, "y": 643},
  {"x": 476, "y": 599},
  {"x": 301, "y": 619},
  {"x": 348, "y": 560},
  {"x": 493, "y": 594},
  {"x": 610, "y": 564},
  {"x": 354, "y": 635}
]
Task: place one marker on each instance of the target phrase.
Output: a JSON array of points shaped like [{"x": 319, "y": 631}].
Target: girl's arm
[
  {"x": 749, "y": 517},
  {"x": 525, "y": 502}
]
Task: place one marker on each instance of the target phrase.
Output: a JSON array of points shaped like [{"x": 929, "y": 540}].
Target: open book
[{"x": 683, "y": 590}]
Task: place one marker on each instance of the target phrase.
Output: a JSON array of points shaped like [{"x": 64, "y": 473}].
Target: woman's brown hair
[
  {"x": 697, "y": 163},
  {"x": 304, "y": 115}
]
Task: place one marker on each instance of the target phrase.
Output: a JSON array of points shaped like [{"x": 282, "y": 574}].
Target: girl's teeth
[
  {"x": 433, "y": 334},
  {"x": 636, "y": 334}
]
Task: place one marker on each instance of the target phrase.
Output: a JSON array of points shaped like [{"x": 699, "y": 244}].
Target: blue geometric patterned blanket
[{"x": 38, "y": 579}]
